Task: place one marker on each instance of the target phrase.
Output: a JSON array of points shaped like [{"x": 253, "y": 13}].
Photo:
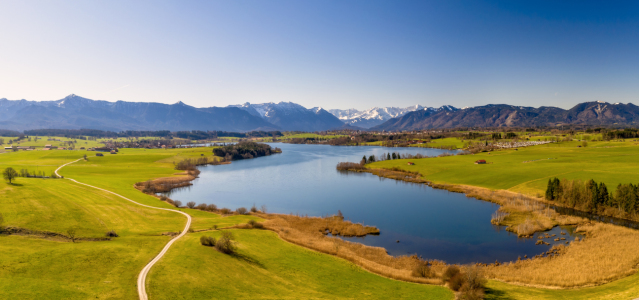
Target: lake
[{"x": 435, "y": 224}]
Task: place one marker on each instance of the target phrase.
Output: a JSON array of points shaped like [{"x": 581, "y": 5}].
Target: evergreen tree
[
  {"x": 557, "y": 190},
  {"x": 593, "y": 198},
  {"x": 550, "y": 190},
  {"x": 364, "y": 159},
  {"x": 603, "y": 198}
]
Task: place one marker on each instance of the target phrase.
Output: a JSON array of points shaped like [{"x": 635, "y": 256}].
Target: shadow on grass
[
  {"x": 492, "y": 294},
  {"x": 247, "y": 259}
]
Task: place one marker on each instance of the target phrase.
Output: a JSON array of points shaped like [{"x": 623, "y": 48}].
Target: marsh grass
[{"x": 311, "y": 232}]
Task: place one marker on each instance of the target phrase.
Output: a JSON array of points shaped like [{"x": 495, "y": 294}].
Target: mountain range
[
  {"x": 289, "y": 116},
  {"x": 378, "y": 115},
  {"x": 502, "y": 115},
  {"x": 75, "y": 112}
]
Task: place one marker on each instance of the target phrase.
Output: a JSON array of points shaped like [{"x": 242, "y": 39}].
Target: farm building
[{"x": 480, "y": 162}]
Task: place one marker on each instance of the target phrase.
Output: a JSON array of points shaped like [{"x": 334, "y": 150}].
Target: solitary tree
[
  {"x": 71, "y": 233},
  {"x": 9, "y": 174}
]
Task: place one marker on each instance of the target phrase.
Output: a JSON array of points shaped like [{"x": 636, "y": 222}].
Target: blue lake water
[{"x": 435, "y": 224}]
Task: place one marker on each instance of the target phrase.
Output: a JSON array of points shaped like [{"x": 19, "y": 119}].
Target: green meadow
[
  {"x": 266, "y": 267},
  {"x": 54, "y": 268},
  {"x": 528, "y": 169}
]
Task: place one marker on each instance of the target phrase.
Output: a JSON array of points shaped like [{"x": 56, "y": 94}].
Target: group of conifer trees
[{"x": 591, "y": 196}]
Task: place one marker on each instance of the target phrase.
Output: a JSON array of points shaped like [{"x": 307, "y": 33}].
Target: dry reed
[{"x": 310, "y": 232}]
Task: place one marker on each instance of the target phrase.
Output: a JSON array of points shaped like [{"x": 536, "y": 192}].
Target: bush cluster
[
  {"x": 245, "y": 150},
  {"x": 111, "y": 233},
  {"x": 225, "y": 243},
  {"x": 208, "y": 241},
  {"x": 470, "y": 283}
]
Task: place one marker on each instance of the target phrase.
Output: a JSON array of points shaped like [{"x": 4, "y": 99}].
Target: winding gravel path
[{"x": 147, "y": 268}]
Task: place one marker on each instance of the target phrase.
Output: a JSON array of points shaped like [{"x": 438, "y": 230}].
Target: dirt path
[{"x": 145, "y": 271}]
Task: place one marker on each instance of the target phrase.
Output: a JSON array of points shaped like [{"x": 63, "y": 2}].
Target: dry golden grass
[
  {"x": 334, "y": 225},
  {"x": 608, "y": 252},
  {"x": 310, "y": 233},
  {"x": 166, "y": 184}
]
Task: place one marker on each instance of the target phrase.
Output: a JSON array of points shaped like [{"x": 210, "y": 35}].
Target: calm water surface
[{"x": 435, "y": 224}]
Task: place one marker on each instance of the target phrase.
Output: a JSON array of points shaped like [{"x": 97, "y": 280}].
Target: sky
[{"x": 332, "y": 54}]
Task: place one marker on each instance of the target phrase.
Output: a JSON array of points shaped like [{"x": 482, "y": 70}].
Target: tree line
[{"x": 592, "y": 196}]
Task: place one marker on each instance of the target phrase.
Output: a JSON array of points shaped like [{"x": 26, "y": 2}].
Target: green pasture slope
[
  {"x": 528, "y": 169},
  {"x": 267, "y": 267}
]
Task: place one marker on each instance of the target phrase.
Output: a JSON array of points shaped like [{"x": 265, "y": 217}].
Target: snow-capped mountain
[
  {"x": 75, "y": 112},
  {"x": 374, "y": 116},
  {"x": 292, "y": 116}
]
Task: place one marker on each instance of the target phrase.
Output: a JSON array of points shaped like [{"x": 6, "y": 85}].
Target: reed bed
[
  {"x": 166, "y": 184},
  {"x": 310, "y": 233},
  {"x": 608, "y": 252}
]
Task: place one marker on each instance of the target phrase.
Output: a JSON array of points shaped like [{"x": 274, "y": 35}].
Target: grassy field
[
  {"x": 269, "y": 268},
  {"x": 528, "y": 169},
  {"x": 266, "y": 267},
  {"x": 625, "y": 288},
  {"x": 36, "y": 268}
]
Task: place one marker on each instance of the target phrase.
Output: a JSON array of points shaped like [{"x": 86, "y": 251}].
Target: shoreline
[{"x": 499, "y": 271}]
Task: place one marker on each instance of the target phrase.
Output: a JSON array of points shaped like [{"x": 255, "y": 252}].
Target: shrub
[
  {"x": 207, "y": 241},
  {"x": 163, "y": 198},
  {"x": 253, "y": 208},
  {"x": 225, "y": 243},
  {"x": 201, "y": 206},
  {"x": 258, "y": 226},
  {"x": 190, "y": 204},
  {"x": 112, "y": 234},
  {"x": 456, "y": 282},
  {"x": 422, "y": 270},
  {"x": 251, "y": 222},
  {"x": 225, "y": 211},
  {"x": 471, "y": 294},
  {"x": 177, "y": 203},
  {"x": 211, "y": 207},
  {"x": 473, "y": 279},
  {"x": 241, "y": 211},
  {"x": 450, "y": 272}
]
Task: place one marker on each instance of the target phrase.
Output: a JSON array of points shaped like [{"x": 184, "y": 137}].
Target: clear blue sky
[{"x": 334, "y": 54}]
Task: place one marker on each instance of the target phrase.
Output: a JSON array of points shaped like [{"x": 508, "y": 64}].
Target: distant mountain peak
[{"x": 372, "y": 116}]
